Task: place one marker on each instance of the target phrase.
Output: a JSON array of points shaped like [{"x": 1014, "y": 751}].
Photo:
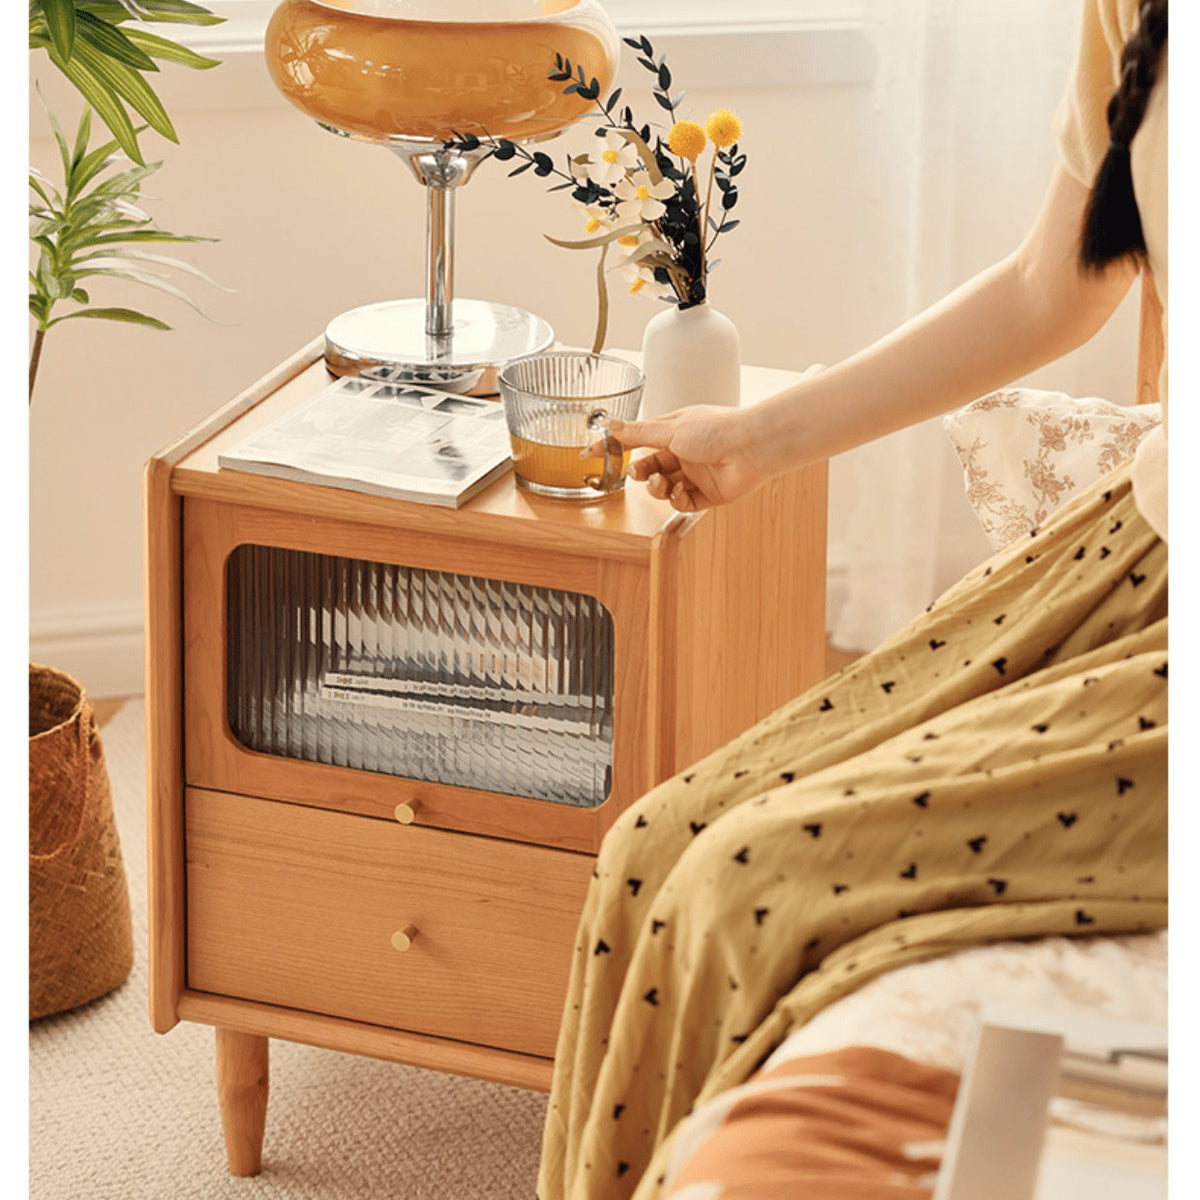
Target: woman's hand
[
  {"x": 701, "y": 456},
  {"x": 1019, "y": 314}
]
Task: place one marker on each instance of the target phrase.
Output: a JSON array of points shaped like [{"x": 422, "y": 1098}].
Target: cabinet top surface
[{"x": 630, "y": 517}]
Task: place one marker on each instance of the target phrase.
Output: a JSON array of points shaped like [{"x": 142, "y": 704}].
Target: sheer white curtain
[{"x": 966, "y": 91}]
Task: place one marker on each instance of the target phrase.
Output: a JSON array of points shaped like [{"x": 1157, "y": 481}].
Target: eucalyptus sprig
[
  {"x": 643, "y": 191},
  {"x": 88, "y": 41},
  {"x": 93, "y": 227}
]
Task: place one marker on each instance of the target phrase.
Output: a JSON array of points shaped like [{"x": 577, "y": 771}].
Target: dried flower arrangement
[{"x": 643, "y": 190}]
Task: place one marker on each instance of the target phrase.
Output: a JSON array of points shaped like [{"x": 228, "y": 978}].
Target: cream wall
[{"x": 309, "y": 225}]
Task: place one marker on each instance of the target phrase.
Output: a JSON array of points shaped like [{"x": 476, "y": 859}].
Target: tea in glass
[{"x": 557, "y": 405}]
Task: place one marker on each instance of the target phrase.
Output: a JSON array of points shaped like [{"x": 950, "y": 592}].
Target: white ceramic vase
[{"x": 690, "y": 356}]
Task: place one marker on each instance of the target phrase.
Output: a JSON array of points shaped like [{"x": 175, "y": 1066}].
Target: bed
[{"x": 1009, "y": 1071}]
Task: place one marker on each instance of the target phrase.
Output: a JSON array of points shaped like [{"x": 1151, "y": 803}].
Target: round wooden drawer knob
[
  {"x": 403, "y": 939},
  {"x": 406, "y": 812}
]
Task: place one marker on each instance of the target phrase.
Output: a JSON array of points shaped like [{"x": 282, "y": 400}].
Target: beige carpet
[{"x": 118, "y": 1112}]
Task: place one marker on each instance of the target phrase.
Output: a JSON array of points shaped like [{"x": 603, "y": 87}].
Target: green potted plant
[
  {"x": 93, "y": 224},
  {"x": 90, "y": 226}
]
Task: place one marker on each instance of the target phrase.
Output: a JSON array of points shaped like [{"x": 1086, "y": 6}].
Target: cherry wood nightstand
[{"x": 425, "y": 921}]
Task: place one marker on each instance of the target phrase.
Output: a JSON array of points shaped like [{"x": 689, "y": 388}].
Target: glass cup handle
[{"x": 597, "y": 423}]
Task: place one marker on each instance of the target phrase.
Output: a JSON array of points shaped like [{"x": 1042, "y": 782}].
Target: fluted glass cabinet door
[{"x": 429, "y": 675}]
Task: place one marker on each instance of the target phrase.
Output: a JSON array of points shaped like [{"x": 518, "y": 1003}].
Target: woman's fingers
[
  {"x": 658, "y": 486},
  {"x": 688, "y": 499},
  {"x": 660, "y": 463},
  {"x": 631, "y": 434},
  {"x": 681, "y": 494}
]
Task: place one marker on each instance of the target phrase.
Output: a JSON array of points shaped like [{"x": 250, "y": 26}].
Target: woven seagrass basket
[{"x": 80, "y": 938}]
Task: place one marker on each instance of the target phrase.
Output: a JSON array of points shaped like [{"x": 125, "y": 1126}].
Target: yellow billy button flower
[
  {"x": 687, "y": 139},
  {"x": 723, "y": 128},
  {"x": 629, "y": 239},
  {"x": 593, "y": 224}
]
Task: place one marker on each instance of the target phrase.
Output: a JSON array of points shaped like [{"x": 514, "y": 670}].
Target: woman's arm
[{"x": 1030, "y": 308}]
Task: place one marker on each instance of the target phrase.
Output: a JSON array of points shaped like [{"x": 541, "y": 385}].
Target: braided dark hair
[{"x": 1112, "y": 226}]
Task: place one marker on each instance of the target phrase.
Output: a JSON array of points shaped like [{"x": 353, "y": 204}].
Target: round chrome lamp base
[{"x": 387, "y": 340}]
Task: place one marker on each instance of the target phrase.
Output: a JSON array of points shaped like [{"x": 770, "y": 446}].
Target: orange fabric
[{"x": 827, "y": 1140}]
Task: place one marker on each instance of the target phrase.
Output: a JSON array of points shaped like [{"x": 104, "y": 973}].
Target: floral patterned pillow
[{"x": 1026, "y": 452}]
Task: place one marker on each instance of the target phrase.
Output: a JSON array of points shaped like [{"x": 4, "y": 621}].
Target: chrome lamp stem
[{"x": 441, "y": 171}]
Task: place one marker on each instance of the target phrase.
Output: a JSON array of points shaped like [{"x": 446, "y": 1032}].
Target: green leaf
[
  {"x": 176, "y": 11},
  {"x": 83, "y": 135},
  {"x": 155, "y": 260},
  {"x": 63, "y": 153},
  {"x": 125, "y": 183},
  {"x": 60, "y": 21},
  {"x": 39, "y": 308},
  {"x": 103, "y": 99},
  {"x": 127, "y": 315},
  {"x": 92, "y": 164},
  {"x": 110, "y": 41},
  {"x": 115, "y": 12},
  {"x": 164, "y": 48},
  {"x": 145, "y": 278},
  {"x": 128, "y": 84},
  {"x": 44, "y": 239},
  {"x": 48, "y": 280},
  {"x": 36, "y": 184},
  {"x": 146, "y": 235}
]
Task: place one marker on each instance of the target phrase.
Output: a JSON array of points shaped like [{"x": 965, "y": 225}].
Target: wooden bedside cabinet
[{"x": 398, "y": 871}]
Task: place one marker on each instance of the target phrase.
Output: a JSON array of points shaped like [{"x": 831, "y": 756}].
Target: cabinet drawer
[{"x": 298, "y": 906}]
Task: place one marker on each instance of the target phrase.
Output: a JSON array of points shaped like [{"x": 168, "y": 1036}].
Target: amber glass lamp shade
[
  {"x": 366, "y": 69},
  {"x": 409, "y": 74}
]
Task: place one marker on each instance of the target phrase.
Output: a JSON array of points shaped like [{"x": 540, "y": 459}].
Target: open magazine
[{"x": 400, "y": 440}]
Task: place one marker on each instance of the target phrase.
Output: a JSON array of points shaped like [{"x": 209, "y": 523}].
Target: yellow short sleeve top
[{"x": 1081, "y": 126}]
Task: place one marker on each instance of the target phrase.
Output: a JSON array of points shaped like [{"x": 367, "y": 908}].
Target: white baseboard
[{"x": 103, "y": 649}]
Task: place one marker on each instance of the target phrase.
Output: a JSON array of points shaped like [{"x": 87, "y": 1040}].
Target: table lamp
[{"x": 408, "y": 75}]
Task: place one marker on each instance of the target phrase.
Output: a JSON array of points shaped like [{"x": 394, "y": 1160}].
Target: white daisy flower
[
  {"x": 617, "y": 158},
  {"x": 596, "y": 211},
  {"x": 596, "y": 225},
  {"x": 641, "y": 200},
  {"x": 640, "y": 281}
]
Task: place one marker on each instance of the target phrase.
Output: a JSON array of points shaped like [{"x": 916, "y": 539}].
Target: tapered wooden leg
[{"x": 242, "y": 1084}]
